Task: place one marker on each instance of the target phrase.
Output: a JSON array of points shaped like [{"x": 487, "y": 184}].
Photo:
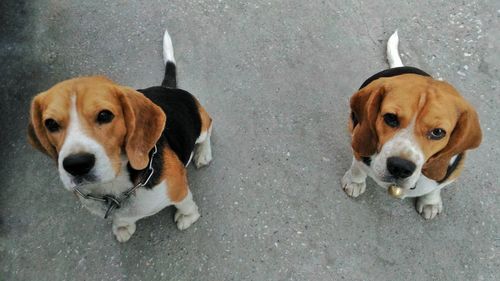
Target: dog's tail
[
  {"x": 170, "y": 79},
  {"x": 392, "y": 51}
]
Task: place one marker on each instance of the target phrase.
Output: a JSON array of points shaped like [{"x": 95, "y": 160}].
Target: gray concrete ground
[{"x": 276, "y": 76}]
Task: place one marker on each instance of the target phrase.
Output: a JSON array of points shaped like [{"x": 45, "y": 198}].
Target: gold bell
[{"x": 395, "y": 191}]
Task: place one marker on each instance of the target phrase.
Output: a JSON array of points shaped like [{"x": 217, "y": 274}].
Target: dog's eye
[
  {"x": 52, "y": 125},
  {"x": 104, "y": 116},
  {"x": 391, "y": 120},
  {"x": 437, "y": 134}
]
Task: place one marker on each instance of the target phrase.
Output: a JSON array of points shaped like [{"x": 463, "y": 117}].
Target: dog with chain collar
[{"x": 124, "y": 151}]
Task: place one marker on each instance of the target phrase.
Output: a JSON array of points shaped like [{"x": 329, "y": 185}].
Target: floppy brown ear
[
  {"x": 365, "y": 106},
  {"x": 466, "y": 135},
  {"x": 37, "y": 136},
  {"x": 145, "y": 122}
]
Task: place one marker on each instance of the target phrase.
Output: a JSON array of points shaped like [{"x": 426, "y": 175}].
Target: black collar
[{"x": 114, "y": 202}]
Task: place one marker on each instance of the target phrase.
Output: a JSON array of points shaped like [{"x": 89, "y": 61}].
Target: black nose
[
  {"x": 400, "y": 168},
  {"x": 79, "y": 164}
]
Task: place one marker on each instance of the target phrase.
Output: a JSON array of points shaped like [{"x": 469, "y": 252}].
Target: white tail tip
[
  {"x": 168, "y": 49},
  {"x": 392, "y": 51}
]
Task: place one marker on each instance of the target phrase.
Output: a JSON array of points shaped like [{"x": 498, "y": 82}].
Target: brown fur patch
[
  {"x": 145, "y": 122},
  {"x": 365, "y": 105},
  {"x": 175, "y": 174},
  {"x": 206, "y": 120},
  {"x": 48, "y": 105}
]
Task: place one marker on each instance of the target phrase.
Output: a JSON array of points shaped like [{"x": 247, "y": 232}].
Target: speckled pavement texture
[{"x": 276, "y": 77}]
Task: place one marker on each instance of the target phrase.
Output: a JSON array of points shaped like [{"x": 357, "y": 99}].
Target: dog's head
[
  {"x": 410, "y": 125},
  {"x": 89, "y": 125}
]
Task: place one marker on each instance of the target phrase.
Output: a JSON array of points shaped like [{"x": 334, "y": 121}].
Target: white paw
[
  {"x": 427, "y": 210},
  {"x": 353, "y": 189},
  {"x": 185, "y": 220},
  {"x": 124, "y": 232},
  {"x": 202, "y": 157}
]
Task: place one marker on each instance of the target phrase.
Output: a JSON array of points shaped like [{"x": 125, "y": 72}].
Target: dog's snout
[
  {"x": 400, "y": 168},
  {"x": 79, "y": 164}
]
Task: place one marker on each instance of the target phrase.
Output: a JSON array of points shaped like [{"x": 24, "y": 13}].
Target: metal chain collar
[{"x": 114, "y": 202}]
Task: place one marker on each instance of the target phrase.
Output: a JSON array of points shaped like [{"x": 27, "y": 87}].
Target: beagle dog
[
  {"x": 410, "y": 133},
  {"x": 124, "y": 152}
]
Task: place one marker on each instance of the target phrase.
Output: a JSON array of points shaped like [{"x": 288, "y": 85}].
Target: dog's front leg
[
  {"x": 430, "y": 205},
  {"x": 187, "y": 212},
  {"x": 354, "y": 180},
  {"x": 123, "y": 228}
]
